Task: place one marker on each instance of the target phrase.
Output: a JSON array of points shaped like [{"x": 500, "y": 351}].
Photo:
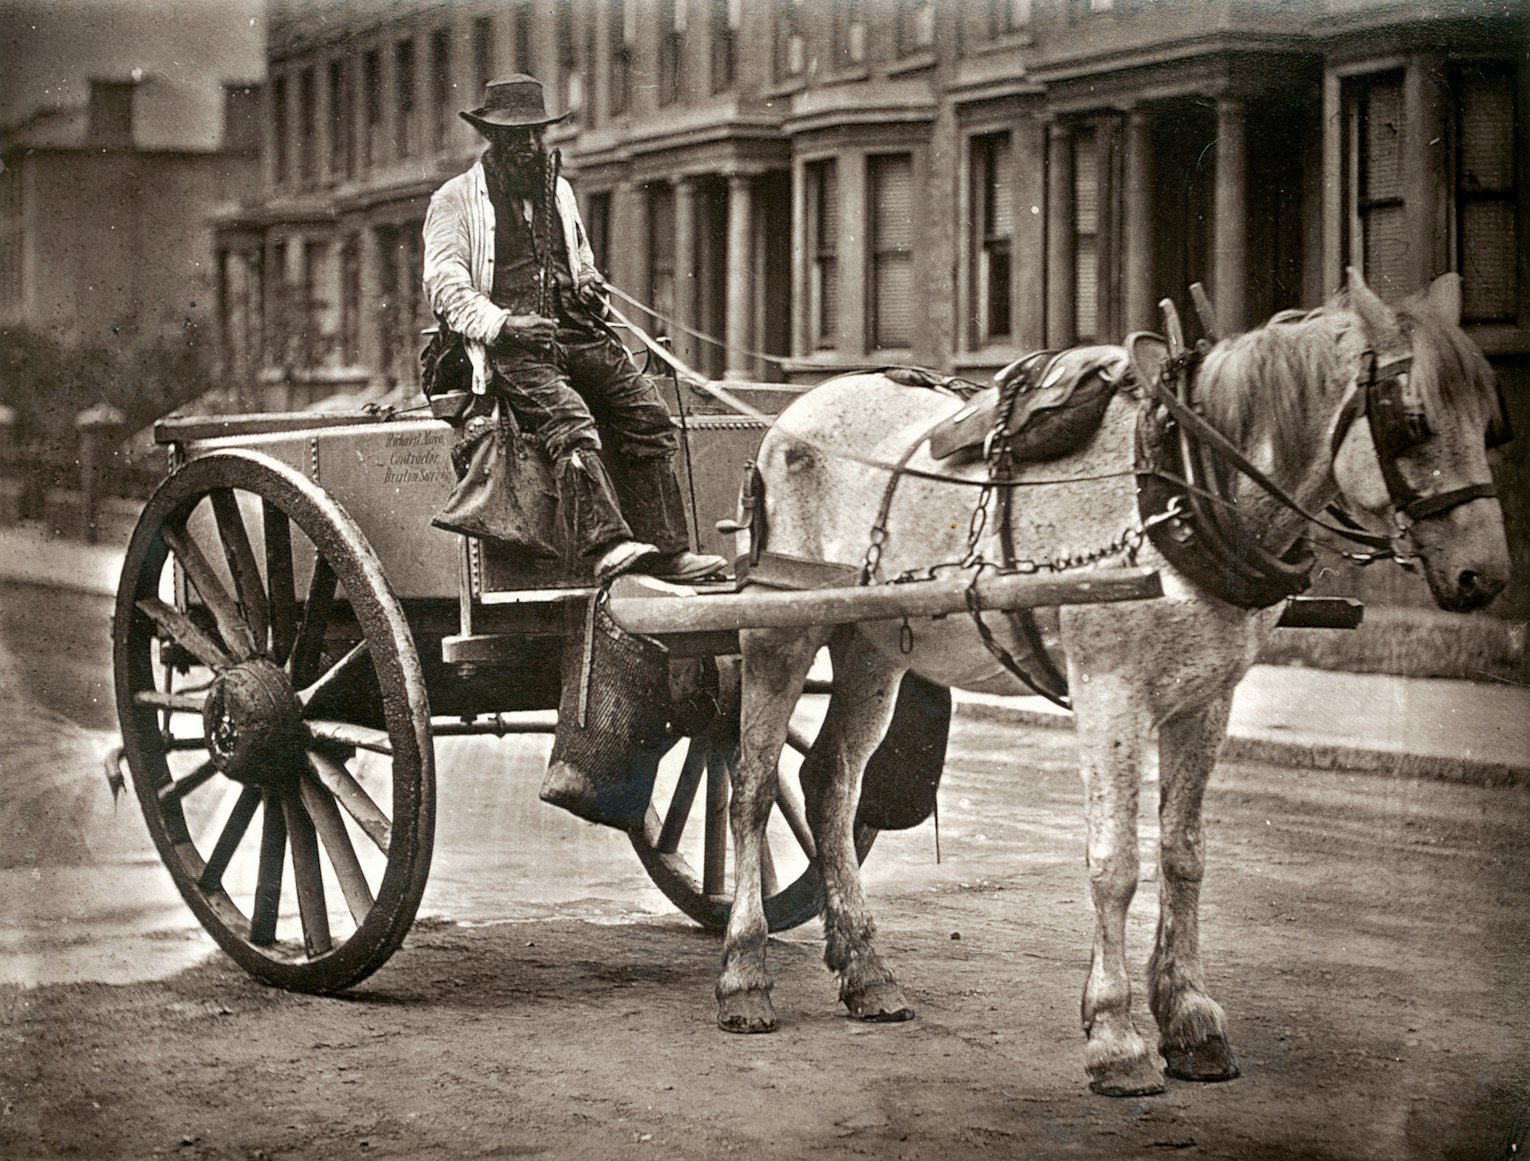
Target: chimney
[
  {"x": 109, "y": 116},
  {"x": 241, "y": 117}
]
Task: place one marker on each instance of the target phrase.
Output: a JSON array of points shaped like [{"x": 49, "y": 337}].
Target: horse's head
[{"x": 1432, "y": 409}]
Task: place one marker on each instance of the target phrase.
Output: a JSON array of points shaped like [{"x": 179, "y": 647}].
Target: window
[
  {"x": 597, "y": 227},
  {"x": 483, "y": 54},
  {"x": 280, "y": 329},
  {"x": 441, "y": 101},
  {"x": 822, "y": 230},
  {"x": 890, "y": 180},
  {"x": 661, "y": 254},
  {"x": 371, "y": 93},
  {"x": 672, "y": 24},
  {"x": 789, "y": 50},
  {"x": 1086, "y": 234},
  {"x": 619, "y": 44},
  {"x": 1378, "y": 231},
  {"x": 570, "y": 89},
  {"x": 1486, "y": 200},
  {"x": 849, "y": 46},
  {"x": 316, "y": 305},
  {"x": 1007, "y": 16},
  {"x": 521, "y": 33},
  {"x": 993, "y": 218},
  {"x": 915, "y": 26},
  {"x": 308, "y": 144},
  {"x": 350, "y": 300},
  {"x": 342, "y": 141},
  {"x": 724, "y": 41},
  {"x": 403, "y": 83},
  {"x": 281, "y": 157}
]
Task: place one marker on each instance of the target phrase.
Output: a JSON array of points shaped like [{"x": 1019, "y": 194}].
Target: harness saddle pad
[{"x": 1061, "y": 401}]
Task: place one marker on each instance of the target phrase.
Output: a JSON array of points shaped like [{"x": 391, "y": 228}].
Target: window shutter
[
  {"x": 1086, "y": 228},
  {"x": 1384, "y": 141},
  {"x": 1485, "y": 193},
  {"x": 892, "y": 231}
]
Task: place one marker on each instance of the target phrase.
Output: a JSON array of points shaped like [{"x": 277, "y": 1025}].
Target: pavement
[{"x": 1449, "y": 730}]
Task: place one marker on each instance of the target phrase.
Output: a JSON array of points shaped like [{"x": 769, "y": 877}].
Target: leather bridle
[{"x": 1394, "y": 411}]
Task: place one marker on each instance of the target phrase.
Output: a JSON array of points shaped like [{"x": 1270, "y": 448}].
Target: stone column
[
  {"x": 369, "y": 337},
  {"x": 1139, "y": 222},
  {"x": 740, "y": 275},
  {"x": 1060, "y": 272},
  {"x": 1229, "y": 278},
  {"x": 685, "y": 268}
]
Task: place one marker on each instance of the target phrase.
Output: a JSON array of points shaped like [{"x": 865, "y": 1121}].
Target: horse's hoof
[
  {"x": 1127, "y": 1078},
  {"x": 879, "y": 1004},
  {"x": 1210, "y": 1060},
  {"x": 746, "y": 1013}
]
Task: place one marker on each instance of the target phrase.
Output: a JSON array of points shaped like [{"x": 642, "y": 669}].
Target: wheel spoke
[
  {"x": 211, "y": 878},
  {"x": 241, "y": 564},
  {"x": 333, "y": 674},
  {"x": 342, "y": 855},
  {"x": 281, "y": 595},
  {"x": 176, "y": 791},
  {"x": 268, "y": 883},
  {"x": 178, "y": 703},
  {"x": 798, "y": 741},
  {"x": 769, "y": 885},
  {"x": 350, "y": 734},
  {"x": 184, "y": 632},
  {"x": 231, "y": 625},
  {"x": 307, "y": 876},
  {"x": 796, "y": 817},
  {"x": 715, "y": 853},
  {"x": 310, "y": 634},
  {"x": 684, "y": 798},
  {"x": 335, "y": 778}
]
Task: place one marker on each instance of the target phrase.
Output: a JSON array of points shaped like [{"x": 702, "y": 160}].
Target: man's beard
[{"x": 515, "y": 175}]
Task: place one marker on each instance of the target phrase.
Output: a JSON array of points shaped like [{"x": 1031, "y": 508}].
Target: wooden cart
[{"x": 291, "y": 634}]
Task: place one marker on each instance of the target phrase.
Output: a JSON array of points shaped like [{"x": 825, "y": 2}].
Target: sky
[{"x": 185, "y": 49}]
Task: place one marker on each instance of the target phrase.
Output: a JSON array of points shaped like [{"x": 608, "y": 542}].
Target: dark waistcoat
[{"x": 517, "y": 264}]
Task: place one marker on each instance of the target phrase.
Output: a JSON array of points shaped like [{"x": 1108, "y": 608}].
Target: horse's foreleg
[
  {"x": 865, "y": 693},
  {"x": 1112, "y": 732},
  {"x": 775, "y": 665},
  {"x": 1192, "y": 1026}
]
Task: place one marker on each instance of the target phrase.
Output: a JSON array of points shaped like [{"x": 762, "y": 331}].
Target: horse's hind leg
[
  {"x": 775, "y": 665},
  {"x": 1112, "y": 732},
  {"x": 1192, "y": 1026},
  {"x": 865, "y": 692}
]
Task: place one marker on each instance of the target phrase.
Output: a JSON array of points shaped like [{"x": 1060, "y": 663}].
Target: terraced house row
[{"x": 820, "y": 184}]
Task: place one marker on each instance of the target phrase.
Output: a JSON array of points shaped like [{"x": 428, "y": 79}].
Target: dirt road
[{"x": 1367, "y": 936}]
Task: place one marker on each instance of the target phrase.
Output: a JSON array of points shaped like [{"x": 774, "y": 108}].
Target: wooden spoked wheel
[
  {"x": 275, "y": 720},
  {"x": 687, "y": 827}
]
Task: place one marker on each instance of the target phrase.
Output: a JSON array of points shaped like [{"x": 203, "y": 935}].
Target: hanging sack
[
  {"x": 444, "y": 363},
  {"x": 504, "y": 489}
]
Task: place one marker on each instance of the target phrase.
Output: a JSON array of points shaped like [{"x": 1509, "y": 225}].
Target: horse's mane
[
  {"x": 1272, "y": 379},
  {"x": 1277, "y": 375}
]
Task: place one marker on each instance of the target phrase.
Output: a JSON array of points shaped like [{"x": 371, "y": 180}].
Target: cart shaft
[{"x": 642, "y": 605}]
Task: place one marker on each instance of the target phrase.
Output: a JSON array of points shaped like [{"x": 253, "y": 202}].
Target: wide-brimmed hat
[{"x": 513, "y": 102}]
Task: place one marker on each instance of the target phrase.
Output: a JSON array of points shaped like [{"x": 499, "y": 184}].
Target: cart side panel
[{"x": 392, "y": 478}]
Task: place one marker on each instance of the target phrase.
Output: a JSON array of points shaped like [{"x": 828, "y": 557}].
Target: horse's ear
[
  {"x": 1444, "y": 297},
  {"x": 1380, "y": 324}
]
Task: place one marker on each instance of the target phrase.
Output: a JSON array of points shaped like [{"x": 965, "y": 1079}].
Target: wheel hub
[{"x": 253, "y": 723}]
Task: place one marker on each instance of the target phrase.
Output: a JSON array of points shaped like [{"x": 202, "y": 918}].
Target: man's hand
[
  {"x": 592, "y": 291},
  {"x": 529, "y": 330}
]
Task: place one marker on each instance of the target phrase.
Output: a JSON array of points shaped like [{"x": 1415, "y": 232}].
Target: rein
[{"x": 1396, "y": 423}]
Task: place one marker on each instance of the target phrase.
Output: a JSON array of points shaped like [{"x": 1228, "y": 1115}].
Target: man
[{"x": 508, "y": 267}]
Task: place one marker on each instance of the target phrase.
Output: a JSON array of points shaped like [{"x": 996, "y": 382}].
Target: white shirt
[{"x": 459, "y": 260}]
